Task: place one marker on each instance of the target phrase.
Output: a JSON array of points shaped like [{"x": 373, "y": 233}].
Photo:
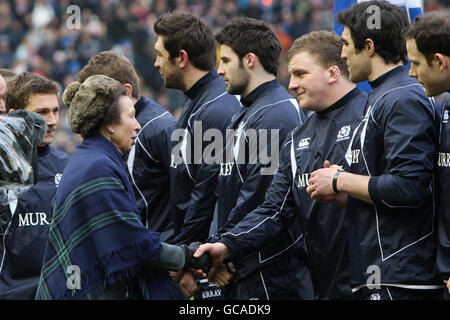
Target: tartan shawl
[{"x": 96, "y": 227}]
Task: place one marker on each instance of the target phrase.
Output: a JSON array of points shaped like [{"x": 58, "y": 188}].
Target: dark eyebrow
[{"x": 44, "y": 109}]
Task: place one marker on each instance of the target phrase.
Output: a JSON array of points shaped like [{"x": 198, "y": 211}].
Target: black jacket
[
  {"x": 194, "y": 180},
  {"x": 149, "y": 166},
  {"x": 324, "y": 136},
  {"x": 25, "y": 236},
  {"x": 269, "y": 113},
  {"x": 395, "y": 145},
  {"x": 242, "y": 183},
  {"x": 443, "y": 178}
]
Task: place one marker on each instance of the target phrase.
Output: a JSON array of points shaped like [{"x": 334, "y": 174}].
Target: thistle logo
[
  {"x": 57, "y": 179},
  {"x": 375, "y": 296},
  {"x": 344, "y": 133}
]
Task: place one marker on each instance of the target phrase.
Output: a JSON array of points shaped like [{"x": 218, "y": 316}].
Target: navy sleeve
[
  {"x": 199, "y": 214},
  {"x": 278, "y": 122},
  {"x": 162, "y": 143},
  {"x": 409, "y": 143},
  {"x": 154, "y": 141},
  {"x": 443, "y": 252},
  {"x": 267, "y": 221}
]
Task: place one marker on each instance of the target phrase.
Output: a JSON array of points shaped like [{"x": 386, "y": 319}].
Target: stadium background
[{"x": 34, "y": 36}]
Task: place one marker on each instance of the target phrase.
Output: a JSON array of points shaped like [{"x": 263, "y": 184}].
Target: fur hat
[{"x": 90, "y": 102}]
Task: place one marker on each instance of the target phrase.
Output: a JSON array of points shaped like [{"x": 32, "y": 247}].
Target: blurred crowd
[{"x": 43, "y": 36}]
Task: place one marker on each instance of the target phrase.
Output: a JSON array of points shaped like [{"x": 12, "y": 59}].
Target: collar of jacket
[
  {"x": 200, "y": 84},
  {"x": 378, "y": 81},
  {"x": 341, "y": 102},
  {"x": 43, "y": 150},
  {"x": 248, "y": 100},
  {"x": 140, "y": 105}
]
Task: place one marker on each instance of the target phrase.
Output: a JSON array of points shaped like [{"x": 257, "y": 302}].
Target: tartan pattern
[
  {"x": 96, "y": 227},
  {"x": 64, "y": 247}
]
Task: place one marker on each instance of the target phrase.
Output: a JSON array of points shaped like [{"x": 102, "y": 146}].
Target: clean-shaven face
[
  {"x": 358, "y": 64},
  {"x": 309, "y": 81},
  {"x": 47, "y": 106},
  {"x": 429, "y": 76}
]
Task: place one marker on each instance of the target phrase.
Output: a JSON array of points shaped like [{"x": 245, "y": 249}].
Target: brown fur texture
[{"x": 90, "y": 102}]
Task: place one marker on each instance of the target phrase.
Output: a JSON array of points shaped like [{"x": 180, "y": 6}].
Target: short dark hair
[
  {"x": 21, "y": 87},
  {"x": 431, "y": 31},
  {"x": 113, "y": 65},
  {"x": 246, "y": 35},
  {"x": 325, "y": 46},
  {"x": 185, "y": 31},
  {"x": 388, "y": 40}
]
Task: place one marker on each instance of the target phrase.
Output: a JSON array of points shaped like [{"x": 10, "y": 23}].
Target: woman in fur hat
[{"x": 97, "y": 246}]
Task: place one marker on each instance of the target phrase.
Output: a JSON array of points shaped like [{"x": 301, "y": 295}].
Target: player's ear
[
  {"x": 442, "y": 61},
  {"x": 334, "y": 73},
  {"x": 183, "y": 58},
  {"x": 250, "y": 60},
  {"x": 129, "y": 88},
  {"x": 369, "y": 46}
]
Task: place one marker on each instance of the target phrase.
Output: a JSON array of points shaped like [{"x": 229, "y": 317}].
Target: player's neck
[
  {"x": 191, "y": 76},
  {"x": 379, "y": 67}
]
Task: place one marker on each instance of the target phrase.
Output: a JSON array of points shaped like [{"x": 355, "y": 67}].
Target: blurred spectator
[
  {"x": 252, "y": 9},
  {"x": 6, "y": 56},
  {"x": 42, "y": 14}
]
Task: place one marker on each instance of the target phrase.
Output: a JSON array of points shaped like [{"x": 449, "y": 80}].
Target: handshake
[
  {"x": 201, "y": 261},
  {"x": 204, "y": 262}
]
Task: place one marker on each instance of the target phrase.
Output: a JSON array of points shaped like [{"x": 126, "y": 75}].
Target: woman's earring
[{"x": 111, "y": 131}]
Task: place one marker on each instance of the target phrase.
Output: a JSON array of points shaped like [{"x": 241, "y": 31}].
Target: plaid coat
[{"x": 96, "y": 237}]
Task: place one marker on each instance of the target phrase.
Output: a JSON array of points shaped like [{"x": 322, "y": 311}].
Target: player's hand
[
  {"x": 202, "y": 262},
  {"x": 188, "y": 285},
  {"x": 218, "y": 252},
  {"x": 221, "y": 275}
]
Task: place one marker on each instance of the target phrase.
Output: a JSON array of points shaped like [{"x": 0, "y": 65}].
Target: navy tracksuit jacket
[
  {"x": 149, "y": 166},
  {"x": 396, "y": 146},
  {"x": 324, "y": 136},
  {"x": 269, "y": 113},
  {"x": 25, "y": 235},
  {"x": 193, "y": 180},
  {"x": 443, "y": 178}
]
